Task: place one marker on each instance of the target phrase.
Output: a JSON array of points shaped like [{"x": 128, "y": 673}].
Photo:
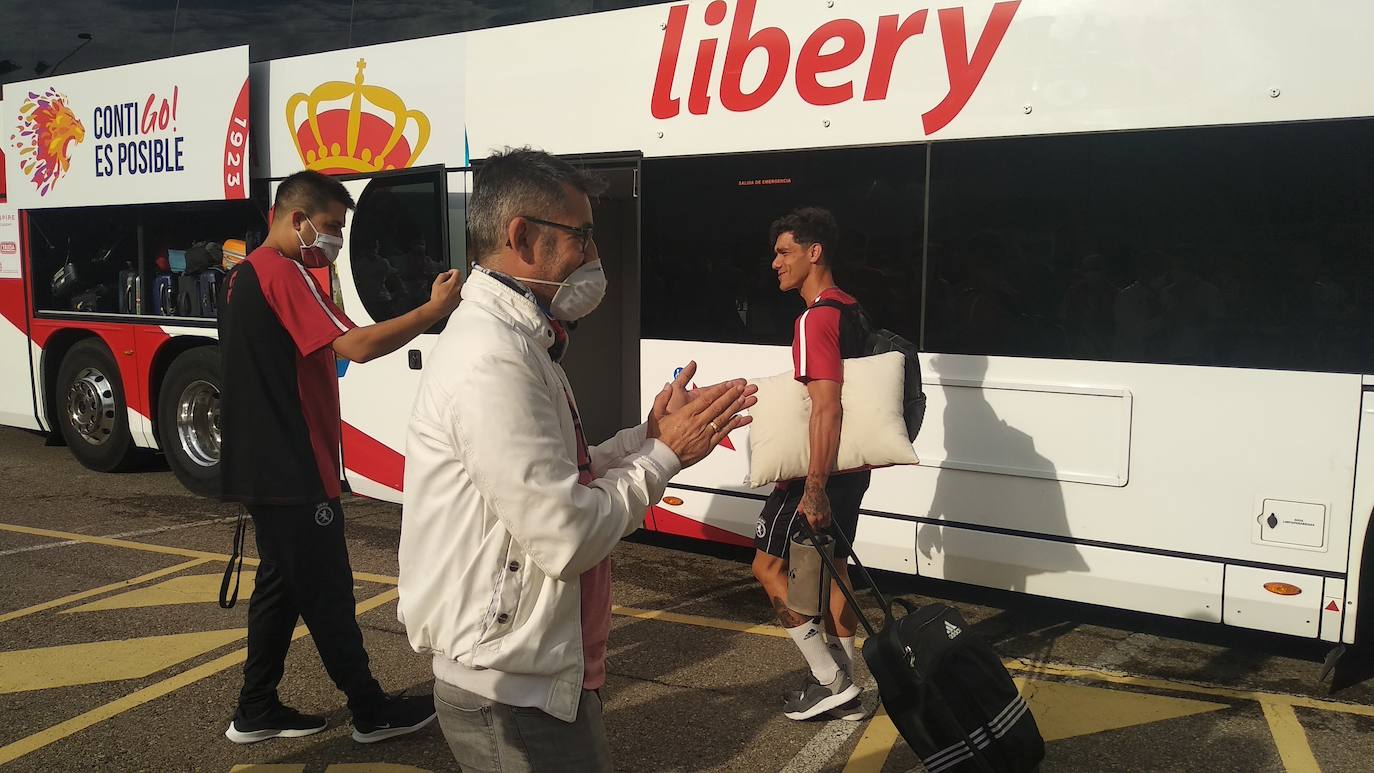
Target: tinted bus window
[
  {"x": 1238, "y": 246},
  {"x": 379, "y": 21},
  {"x": 707, "y": 271},
  {"x": 273, "y": 29},
  {"x": 37, "y": 36},
  {"x": 396, "y": 244},
  {"x": 382, "y": 21}
]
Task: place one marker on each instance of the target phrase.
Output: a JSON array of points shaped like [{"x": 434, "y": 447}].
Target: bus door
[
  {"x": 602, "y": 362},
  {"x": 397, "y": 241},
  {"x": 17, "y": 406}
]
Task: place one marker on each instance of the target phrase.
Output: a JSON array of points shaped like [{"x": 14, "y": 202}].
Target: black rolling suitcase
[
  {"x": 945, "y": 689},
  {"x": 128, "y": 292}
]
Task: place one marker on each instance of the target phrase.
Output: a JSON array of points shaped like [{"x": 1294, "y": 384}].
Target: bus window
[
  {"x": 88, "y": 260},
  {"x": 272, "y": 29},
  {"x": 377, "y": 21},
  {"x": 707, "y": 259},
  {"x": 36, "y": 37},
  {"x": 1238, "y": 246},
  {"x": 396, "y": 244}
]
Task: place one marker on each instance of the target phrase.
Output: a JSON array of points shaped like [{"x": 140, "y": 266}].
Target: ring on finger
[{"x": 713, "y": 426}]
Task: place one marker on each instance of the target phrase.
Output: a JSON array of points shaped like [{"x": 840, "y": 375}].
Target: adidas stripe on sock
[{"x": 810, "y": 639}]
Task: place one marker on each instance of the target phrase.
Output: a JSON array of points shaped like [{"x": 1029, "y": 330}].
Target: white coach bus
[{"x": 1133, "y": 239}]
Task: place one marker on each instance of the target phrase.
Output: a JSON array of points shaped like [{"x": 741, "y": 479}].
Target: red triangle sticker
[{"x": 1332, "y": 607}]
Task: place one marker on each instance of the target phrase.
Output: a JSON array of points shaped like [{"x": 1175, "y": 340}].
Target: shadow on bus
[{"x": 969, "y": 550}]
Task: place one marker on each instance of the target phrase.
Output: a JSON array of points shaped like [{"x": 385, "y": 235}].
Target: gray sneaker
[
  {"x": 816, "y": 698},
  {"x": 853, "y": 711}
]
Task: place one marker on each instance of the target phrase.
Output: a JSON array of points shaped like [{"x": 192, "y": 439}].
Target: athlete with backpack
[{"x": 805, "y": 243}]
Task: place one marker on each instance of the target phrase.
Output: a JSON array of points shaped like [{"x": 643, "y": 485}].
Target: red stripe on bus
[
  {"x": 667, "y": 522},
  {"x": 372, "y": 458}
]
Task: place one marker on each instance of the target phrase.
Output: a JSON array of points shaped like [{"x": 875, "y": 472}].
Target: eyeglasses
[{"x": 583, "y": 234}]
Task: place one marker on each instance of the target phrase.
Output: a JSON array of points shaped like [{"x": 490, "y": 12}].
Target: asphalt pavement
[{"x": 114, "y": 656}]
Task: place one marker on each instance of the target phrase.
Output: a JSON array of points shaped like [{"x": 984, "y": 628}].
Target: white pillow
[{"x": 873, "y": 433}]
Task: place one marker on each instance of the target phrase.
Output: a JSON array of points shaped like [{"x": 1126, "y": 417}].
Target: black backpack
[
  {"x": 945, "y": 688},
  {"x": 862, "y": 339},
  {"x": 203, "y": 255}
]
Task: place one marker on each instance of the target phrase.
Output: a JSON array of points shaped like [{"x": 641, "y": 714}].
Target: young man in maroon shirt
[
  {"x": 279, "y": 335},
  {"x": 805, "y": 247}
]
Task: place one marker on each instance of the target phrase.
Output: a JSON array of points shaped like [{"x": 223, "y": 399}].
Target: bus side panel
[
  {"x": 1162, "y": 585},
  {"x": 1062, "y": 460},
  {"x": 15, "y": 378},
  {"x": 1364, "y": 505},
  {"x": 16, "y": 391}
]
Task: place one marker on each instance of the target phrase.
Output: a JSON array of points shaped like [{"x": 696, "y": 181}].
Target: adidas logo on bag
[{"x": 952, "y": 630}]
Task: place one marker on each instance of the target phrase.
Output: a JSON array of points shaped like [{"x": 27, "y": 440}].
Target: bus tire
[
  {"x": 188, "y": 419},
  {"x": 91, "y": 411}
]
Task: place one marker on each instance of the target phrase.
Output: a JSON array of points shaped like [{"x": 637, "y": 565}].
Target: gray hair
[{"x": 519, "y": 182}]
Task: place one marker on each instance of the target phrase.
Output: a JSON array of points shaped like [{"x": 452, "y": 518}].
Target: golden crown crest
[{"x": 353, "y": 151}]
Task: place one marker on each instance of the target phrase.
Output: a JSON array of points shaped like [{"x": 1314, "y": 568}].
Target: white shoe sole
[
  {"x": 822, "y": 706},
  {"x": 238, "y": 736},
  {"x": 857, "y": 715},
  {"x": 391, "y": 732}
]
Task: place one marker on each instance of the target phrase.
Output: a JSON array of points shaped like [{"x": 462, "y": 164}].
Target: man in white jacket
[{"x": 510, "y": 518}]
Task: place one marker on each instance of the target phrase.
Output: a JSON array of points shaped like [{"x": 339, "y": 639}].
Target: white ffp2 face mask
[
  {"x": 579, "y": 294},
  {"x": 323, "y": 251}
]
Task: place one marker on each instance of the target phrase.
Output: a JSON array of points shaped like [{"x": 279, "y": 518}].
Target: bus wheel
[
  {"x": 91, "y": 410},
  {"x": 188, "y": 419}
]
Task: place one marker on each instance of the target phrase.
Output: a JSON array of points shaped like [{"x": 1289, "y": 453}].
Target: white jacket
[{"x": 495, "y": 529}]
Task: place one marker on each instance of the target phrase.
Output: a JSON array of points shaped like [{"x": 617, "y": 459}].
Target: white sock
[
  {"x": 810, "y": 639},
  {"x": 842, "y": 650}
]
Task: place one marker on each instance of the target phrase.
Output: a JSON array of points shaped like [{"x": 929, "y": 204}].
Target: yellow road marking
[
  {"x": 380, "y": 579},
  {"x": 1038, "y": 671},
  {"x": 85, "y": 594},
  {"x": 697, "y": 620},
  {"x": 105, "y": 661},
  {"x": 875, "y": 745},
  {"x": 152, "y": 692},
  {"x": 1032, "y": 670},
  {"x": 1035, "y": 670},
  {"x": 187, "y": 589},
  {"x": 121, "y": 543},
  {"x": 1063, "y": 710},
  {"x": 338, "y": 767},
  {"x": 1289, "y": 736},
  {"x": 371, "y": 767}
]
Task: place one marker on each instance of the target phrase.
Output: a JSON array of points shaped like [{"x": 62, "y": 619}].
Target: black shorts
[{"x": 777, "y": 523}]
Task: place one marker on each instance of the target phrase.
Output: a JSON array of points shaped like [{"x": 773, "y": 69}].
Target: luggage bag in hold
[
  {"x": 207, "y": 287},
  {"x": 945, "y": 689},
  {"x": 164, "y": 298},
  {"x": 128, "y": 292},
  {"x": 188, "y": 296}
]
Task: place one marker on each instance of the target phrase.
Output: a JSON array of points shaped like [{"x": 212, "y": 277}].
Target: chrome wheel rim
[
  {"x": 91, "y": 406},
  {"x": 198, "y": 423}
]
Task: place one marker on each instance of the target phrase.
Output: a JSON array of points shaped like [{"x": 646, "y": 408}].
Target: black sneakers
[
  {"x": 277, "y": 722},
  {"x": 398, "y": 716}
]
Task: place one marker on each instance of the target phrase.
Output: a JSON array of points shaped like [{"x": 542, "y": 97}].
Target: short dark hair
[
  {"x": 808, "y": 226},
  {"x": 311, "y": 192},
  {"x": 519, "y": 182}
]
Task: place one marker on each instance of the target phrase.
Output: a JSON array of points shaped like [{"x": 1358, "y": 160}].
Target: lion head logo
[{"x": 47, "y": 134}]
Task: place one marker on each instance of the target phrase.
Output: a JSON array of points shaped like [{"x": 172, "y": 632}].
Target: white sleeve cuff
[{"x": 662, "y": 457}]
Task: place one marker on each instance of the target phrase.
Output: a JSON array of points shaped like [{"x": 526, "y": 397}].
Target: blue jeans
[{"x": 488, "y": 736}]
